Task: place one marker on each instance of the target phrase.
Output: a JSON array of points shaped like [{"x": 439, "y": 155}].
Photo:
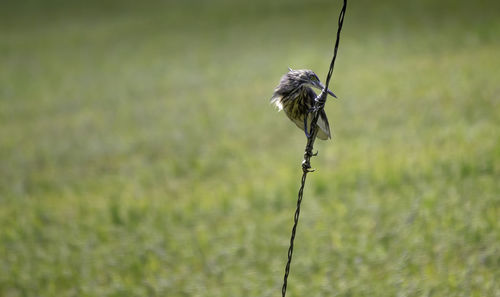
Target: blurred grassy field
[{"x": 139, "y": 154}]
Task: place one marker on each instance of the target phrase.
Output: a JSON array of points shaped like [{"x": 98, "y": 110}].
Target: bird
[{"x": 295, "y": 96}]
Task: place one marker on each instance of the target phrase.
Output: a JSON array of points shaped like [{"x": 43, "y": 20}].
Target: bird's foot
[
  {"x": 306, "y": 166},
  {"x": 317, "y": 107},
  {"x": 320, "y": 102}
]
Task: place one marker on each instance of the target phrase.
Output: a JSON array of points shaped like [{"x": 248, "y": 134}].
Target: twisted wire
[{"x": 306, "y": 168}]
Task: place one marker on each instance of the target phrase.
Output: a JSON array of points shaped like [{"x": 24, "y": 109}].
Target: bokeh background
[{"x": 139, "y": 154}]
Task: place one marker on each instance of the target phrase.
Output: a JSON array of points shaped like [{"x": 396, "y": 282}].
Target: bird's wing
[{"x": 324, "y": 127}]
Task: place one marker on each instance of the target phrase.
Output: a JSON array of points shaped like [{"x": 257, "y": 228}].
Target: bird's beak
[
  {"x": 331, "y": 93},
  {"x": 321, "y": 87}
]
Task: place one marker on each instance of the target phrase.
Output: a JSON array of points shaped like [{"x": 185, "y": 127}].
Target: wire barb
[{"x": 308, "y": 152}]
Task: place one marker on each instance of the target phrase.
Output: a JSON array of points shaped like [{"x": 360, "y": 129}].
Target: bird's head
[{"x": 307, "y": 77}]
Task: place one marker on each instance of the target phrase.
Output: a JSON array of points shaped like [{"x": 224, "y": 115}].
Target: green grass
[{"x": 139, "y": 154}]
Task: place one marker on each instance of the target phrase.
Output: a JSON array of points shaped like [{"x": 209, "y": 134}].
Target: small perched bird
[{"x": 295, "y": 96}]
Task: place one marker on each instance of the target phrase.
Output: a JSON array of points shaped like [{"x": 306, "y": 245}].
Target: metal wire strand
[{"x": 306, "y": 167}]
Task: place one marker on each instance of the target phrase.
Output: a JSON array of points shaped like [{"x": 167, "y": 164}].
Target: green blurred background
[{"x": 139, "y": 154}]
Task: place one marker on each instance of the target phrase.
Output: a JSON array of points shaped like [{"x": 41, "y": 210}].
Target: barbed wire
[{"x": 306, "y": 163}]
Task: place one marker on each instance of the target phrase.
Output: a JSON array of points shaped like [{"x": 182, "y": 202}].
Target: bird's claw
[
  {"x": 320, "y": 100},
  {"x": 306, "y": 166},
  {"x": 309, "y": 153},
  {"x": 317, "y": 107}
]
